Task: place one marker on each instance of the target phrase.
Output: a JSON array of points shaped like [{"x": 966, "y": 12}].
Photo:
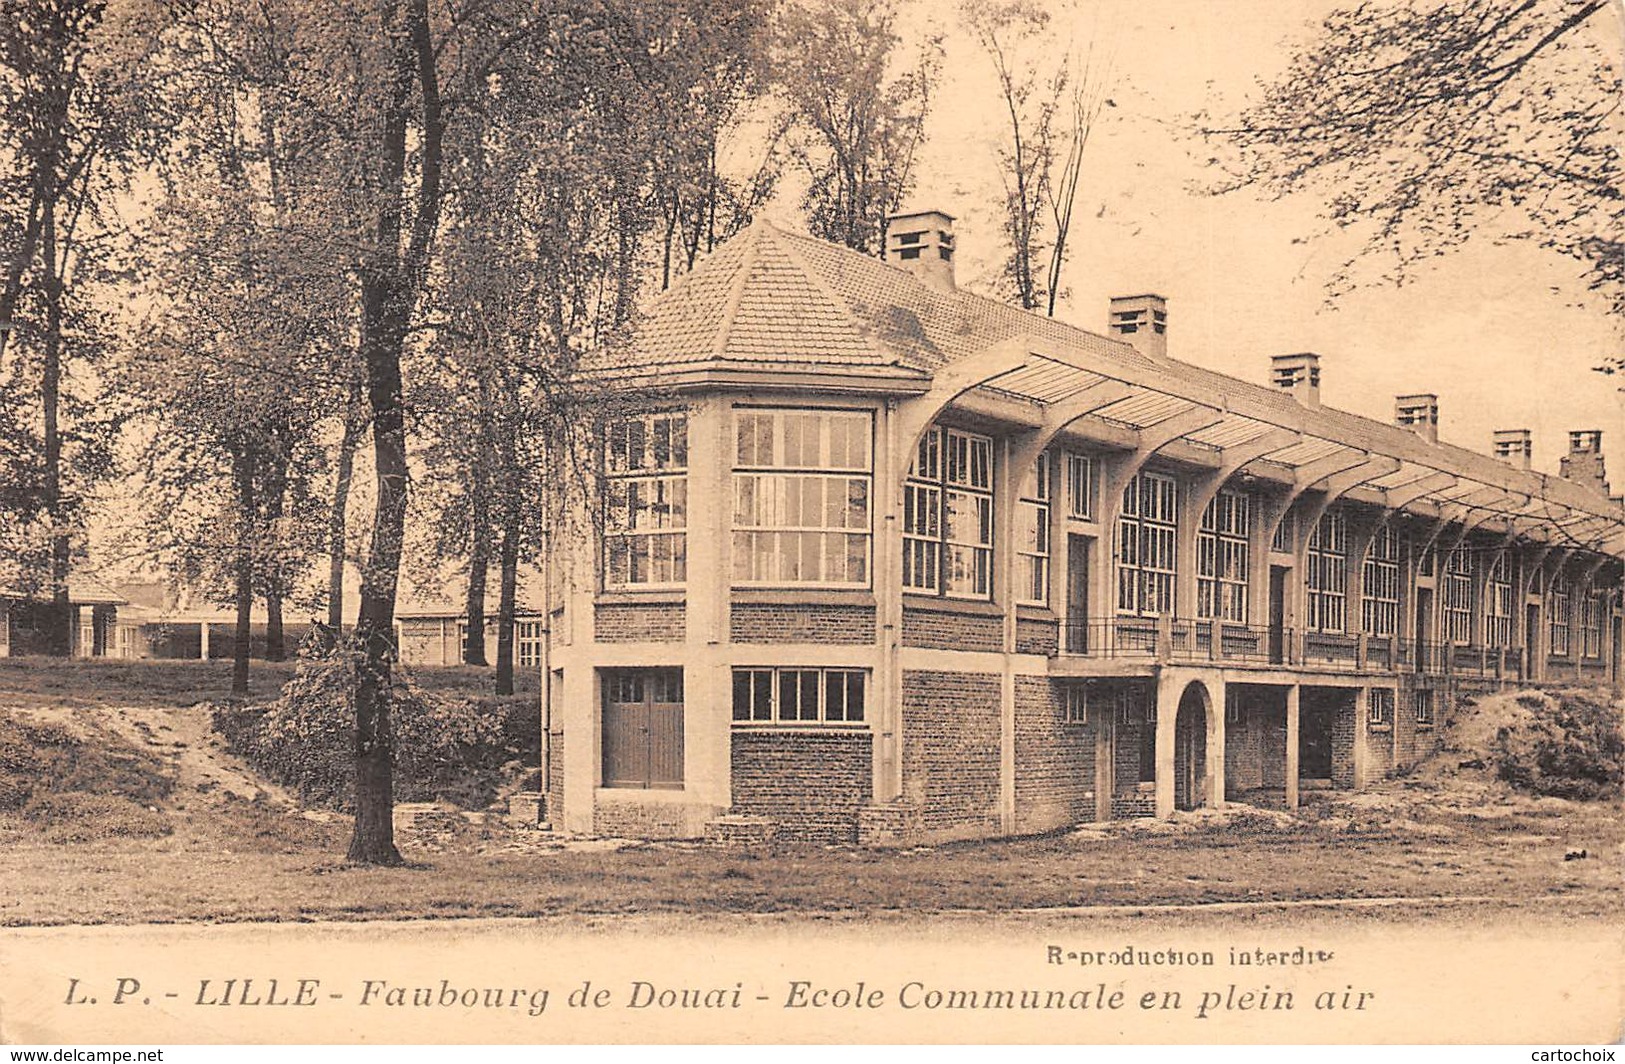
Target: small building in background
[
  {"x": 431, "y": 622},
  {"x": 24, "y": 618}
]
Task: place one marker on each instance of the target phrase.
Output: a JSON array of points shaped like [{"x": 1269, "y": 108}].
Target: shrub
[
  {"x": 1569, "y": 746},
  {"x": 445, "y": 747}
]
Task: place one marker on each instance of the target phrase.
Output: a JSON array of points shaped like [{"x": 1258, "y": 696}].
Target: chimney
[
  {"x": 1583, "y": 463},
  {"x": 1514, "y": 447},
  {"x": 1142, "y": 322},
  {"x": 922, "y": 242},
  {"x": 1419, "y": 413},
  {"x": 1299, "y": 375}
]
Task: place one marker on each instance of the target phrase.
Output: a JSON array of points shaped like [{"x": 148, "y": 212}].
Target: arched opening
[{"x": 1190, "y": 748}]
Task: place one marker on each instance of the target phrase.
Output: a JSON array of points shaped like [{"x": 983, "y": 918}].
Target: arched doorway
[{"x": 1190, "y": 748}]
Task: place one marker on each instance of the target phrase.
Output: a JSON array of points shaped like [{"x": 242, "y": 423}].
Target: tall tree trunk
[
  {"x": 479, "y": 545},
  {"x": 512, "y": 520},
  {"x": 271, "y": 576},
  {"x": 355, "y": 423},
  {"x": 243, "y": 473},
  {"x": 389, "y": 283},
  {"x": 59, "y": 631}
]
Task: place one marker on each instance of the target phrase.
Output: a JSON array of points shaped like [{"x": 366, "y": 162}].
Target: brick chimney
[
  {"x": 1583, "y": 463},
  {"x": 1142, "y": 322},
  {"x": 1514, "y": 447},
  {"x": 922, "y": 242},
  {"x": 1298, "y": 375},
  {"x": 1419, "y": 413}
]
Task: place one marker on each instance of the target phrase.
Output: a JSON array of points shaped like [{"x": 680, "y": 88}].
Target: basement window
[
  {"x": 1381, "y": 714},
  {"x": 799, "y": 696}
]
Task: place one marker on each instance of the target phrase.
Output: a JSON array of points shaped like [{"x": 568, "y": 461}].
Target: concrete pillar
[
  {"x": 891, "y": 469},
  {"x": 1012, "y": 468},
  {"x": 707, "y": 675},
  {"x": 1167, "y": 695},
  {"x": 1292, "y": 700},
  {"x": 1362, "y": 736},
  {"x": 203, "y": 641},
  {"x": 1215, "y": 744}
]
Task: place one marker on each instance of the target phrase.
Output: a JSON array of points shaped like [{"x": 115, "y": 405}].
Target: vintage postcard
[{"x": 811, "y": 521}]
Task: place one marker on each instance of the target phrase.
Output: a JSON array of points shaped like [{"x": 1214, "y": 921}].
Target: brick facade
[
  {"x": 1036, "y": 635},
  {"x": 810, "y": 783},
  {"x": 761, "y": 622},
  {"x": 628, "y": 816},
  {"x": 1055, "y": 760},
  {"x": 951, "y": 751},
  {"x": 639, "y": 622},
  {"x": 949, "y": 629},
  {"x": 555, "y": 779}
]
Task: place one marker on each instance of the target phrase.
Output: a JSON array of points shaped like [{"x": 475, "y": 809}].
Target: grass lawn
[
  {"x": 222, "y": 857},
  {"x": 249, "y": 864}
]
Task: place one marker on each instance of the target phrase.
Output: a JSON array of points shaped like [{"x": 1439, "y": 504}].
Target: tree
[
  {"x": 1427, "y": 122},
  {"x": 856, "y": 122},
  {"x": 1051, "y": 110},
  {"x": 77, "y": 117}
]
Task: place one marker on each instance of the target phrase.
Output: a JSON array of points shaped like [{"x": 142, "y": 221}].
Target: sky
[{"x": 1497, "y": 332}]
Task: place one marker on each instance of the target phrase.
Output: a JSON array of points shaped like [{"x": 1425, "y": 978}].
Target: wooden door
[{"x": 643, "y": 728}]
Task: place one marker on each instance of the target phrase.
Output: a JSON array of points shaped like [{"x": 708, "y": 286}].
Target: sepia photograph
[{"x": 568, "y": 522}]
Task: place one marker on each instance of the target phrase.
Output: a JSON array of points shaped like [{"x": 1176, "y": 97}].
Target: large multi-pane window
[
  {"x": 1033, "y": 536},
  {"x": 646, "y": 503},
  {"x": 1379, "y": 608},
  {"x": 1146, "y": 545},
  {"x": 1557, "y": 605},
  {"x": 1591, "y": 625},
  {"x": 801, "y": 497},
  {"x": 948, "y": 515},
  {"x": 798, "y": 696},
  {"x": 1458, "y": 596},
  {"x": 1221, "y": 558},
  {"x": 1498, "y": 603},
  {"x": 1080, "y": 486},
  {"x": 1327, "y": 575}
]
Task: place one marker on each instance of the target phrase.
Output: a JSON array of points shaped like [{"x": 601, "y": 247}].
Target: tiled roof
[{"x": 770, "y": 296}]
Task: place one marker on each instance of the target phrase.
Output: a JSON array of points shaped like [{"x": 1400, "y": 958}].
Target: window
[
  {"x": 1458, "y": 596},
  {"x": 948, "y": 516},
  {"x": 527, "y": 637},
  {"x": 1080, "y": 486},
  {"x": 1033, "y": 536},
  {"x": 1498, "y": 603},
  {"x": 1381, "y": 714},
  {"x": 801, "y": 497},
  {"x": 1327, "y": 574},
  {"x": 646, "y": 511},
  {"x": 1281, "y": 541},
  {"x": 1424, "y": 708},
  {"x": 1145, "y": 546},
  {"x": 1591, "y": 625},
  {"x": 1379, "y": 609},
  {"x": 1077, "y": 703},
  {"x": 1557, "y": 598},
  {"x": 798, "y": 696},
  {"x": 1221, "y": 558}
]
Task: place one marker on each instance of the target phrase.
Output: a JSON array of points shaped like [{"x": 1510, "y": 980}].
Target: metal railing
[{"x": 1159, "y": 639}]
